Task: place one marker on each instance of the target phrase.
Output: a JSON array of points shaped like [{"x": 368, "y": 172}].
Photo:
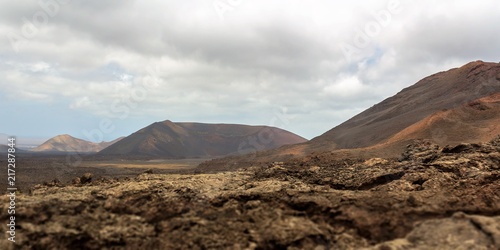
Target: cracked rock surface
[{"x": 430, "y": 198}]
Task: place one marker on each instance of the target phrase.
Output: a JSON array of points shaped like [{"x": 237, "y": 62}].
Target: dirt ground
[
  {"x": 430, "y": 198},
  {"x": 38, "y": 169}
]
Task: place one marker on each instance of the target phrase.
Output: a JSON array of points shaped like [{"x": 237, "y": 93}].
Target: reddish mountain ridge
[
  {"x": 476, "y": 121},
  {"x": 192, "y": 140},
  {"x": 67, "y": 143},
  {"x": 446, "y": 96},
  {"x": 451, "y": 107}
]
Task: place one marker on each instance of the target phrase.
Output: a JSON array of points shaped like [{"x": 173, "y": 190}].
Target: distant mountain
[
  {"x": 458, "y": 105},
  {"x": 4, "y": 148},
  {"x": 184, "y": 140},
  {"x": 67, "y": 143}
]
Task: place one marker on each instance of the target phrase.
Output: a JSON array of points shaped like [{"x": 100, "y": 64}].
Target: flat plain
[{"x": 35, "y": 169}]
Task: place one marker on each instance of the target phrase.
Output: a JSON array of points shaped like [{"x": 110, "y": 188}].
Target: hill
[
  {"x": 442, "y": 98},
  {"x": 192, "y": 140},
  {"x": 4, "y": 148},
  {"x": 451, "y": 107},
  {"x": 476, "y": 121},
  {"x": 67, "y": 143}
]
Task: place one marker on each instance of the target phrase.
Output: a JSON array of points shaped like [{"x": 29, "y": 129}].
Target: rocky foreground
[{"x": 430, "y": 198}]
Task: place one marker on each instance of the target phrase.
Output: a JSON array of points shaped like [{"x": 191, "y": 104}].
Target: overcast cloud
[{"x": 67, "y": 66}]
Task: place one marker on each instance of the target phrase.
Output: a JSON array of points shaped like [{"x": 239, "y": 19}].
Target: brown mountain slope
[
  {"x": 459, "y": 105},
  {"x": 477, "y": 121},
  {"x": 184, "y": 140},
  {"x": 444, "y": 90},
  {"x": 67, "y": 143}
]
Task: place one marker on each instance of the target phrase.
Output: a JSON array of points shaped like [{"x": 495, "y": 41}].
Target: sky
[{"x": 103, "y": 69}]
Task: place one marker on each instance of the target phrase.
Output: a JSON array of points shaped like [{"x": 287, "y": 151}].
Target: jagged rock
[
  {"x": 54, "y": 183},
  {"x": 86, "y": 178},
  {"x": 461, "y": 231},
  {"x": 496, "y": 142},
  {"x": 318, "y": 202},
  {"x": 461, "y": 148},
  {"x": 375, "y": 161},
  {"x": 76, "y": 181},
  {"x": 421, "y": 151}
]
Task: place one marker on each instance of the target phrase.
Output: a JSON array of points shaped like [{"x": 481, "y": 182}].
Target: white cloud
[
  {"x": 346, "y": 86},
  {"x": 82, "y": 102},
  {"x": 40, "y": 67},
  {"x": 263, "y": 56}
]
